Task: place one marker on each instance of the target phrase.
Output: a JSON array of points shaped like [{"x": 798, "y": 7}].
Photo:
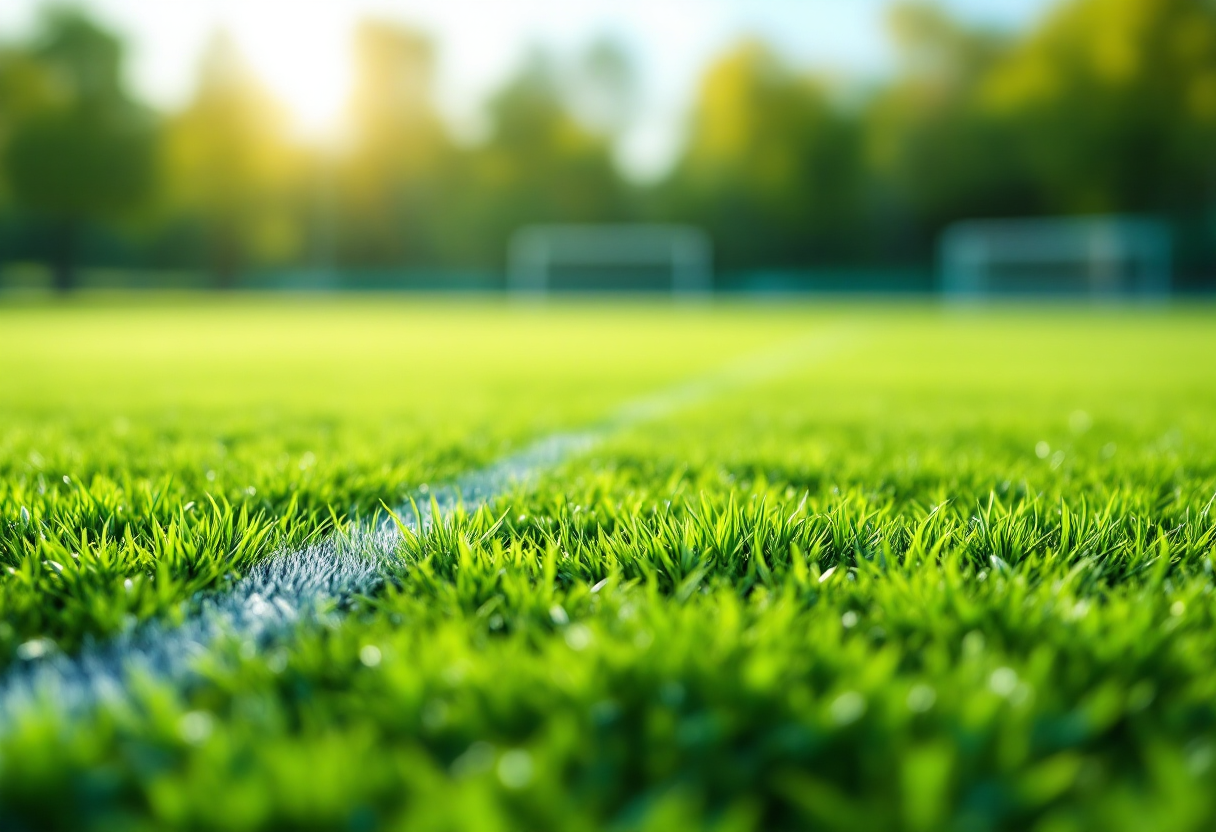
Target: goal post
[
  {"x": 1104, "y": 256},
  {"x": 614, "y": 254}
]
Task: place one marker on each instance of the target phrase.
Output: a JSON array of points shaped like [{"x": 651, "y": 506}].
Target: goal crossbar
[
  {"x": 536, "y": 250},
  {"x": 1108, "y": 255}
]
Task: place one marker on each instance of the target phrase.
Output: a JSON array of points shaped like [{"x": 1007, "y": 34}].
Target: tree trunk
[
  {"x": 225, "y": 255},
  {"x": 63, "y": 256}
]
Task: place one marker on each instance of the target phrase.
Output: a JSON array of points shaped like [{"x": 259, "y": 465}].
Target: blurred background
[{"x": 723, "y": 145}]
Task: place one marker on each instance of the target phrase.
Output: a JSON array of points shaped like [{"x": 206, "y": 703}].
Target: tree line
[{"x": 1105, "y": 106}]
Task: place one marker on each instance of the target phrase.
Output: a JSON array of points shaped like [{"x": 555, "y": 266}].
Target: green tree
[
  {"x": 232, "y": 164},
  {"x": 539, "y": 164},
  {"x": 1114, "y": 105},
  {"x": 83, "y": 150},
  {"x": 391, "y": 176},
  {"x": 932, "y": 154},
  {"x": 772, "y": 167},
  {"x": 1106, "y": 106},
  {"x": 26, "y": 87}
]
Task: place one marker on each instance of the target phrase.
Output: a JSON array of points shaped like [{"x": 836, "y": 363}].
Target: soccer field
[{"x": 847, "y": 567}]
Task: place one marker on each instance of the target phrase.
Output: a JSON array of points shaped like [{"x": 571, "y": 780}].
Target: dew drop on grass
[
  {"x": 827, "y": 573},
  {"x": 369, "y": 654},
  {"x": 849, "y": 619},
  {"x": 578, "y": 637},
  {"x": 1042, "y": 450},
  {"x": 35, "y": 649},
  {"x": 195, "y": 727},
  {"x": 921, "y": 698},
  {"x": 558, "y": 615},
  {"x": 973, "y": 644},
  {"x": 477, "y": 759},
  {"x": 848, "y": 708},
  {"x": 1199, "y": 757},
  {"x": 25, "y": 516},
  {"x": 515, "y": 768},
  {"x": 1177, "y": 609},
  {"x": 1003, "y": 681}
]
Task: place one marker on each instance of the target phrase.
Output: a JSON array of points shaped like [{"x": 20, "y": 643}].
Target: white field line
[{"x": 294, "y": 586}]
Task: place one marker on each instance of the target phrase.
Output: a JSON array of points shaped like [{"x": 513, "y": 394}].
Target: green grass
[
  {"x": 957, "y": 575},
  {"x": 168, "y": 445}
]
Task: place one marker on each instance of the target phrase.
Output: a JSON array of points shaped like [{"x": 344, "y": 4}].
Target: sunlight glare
[{"x": 306, "y": 67}]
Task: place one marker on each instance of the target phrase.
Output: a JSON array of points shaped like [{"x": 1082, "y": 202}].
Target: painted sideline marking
[{"x": 290, "y": 587}]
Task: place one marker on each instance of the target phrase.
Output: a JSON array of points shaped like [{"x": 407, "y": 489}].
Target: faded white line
[{"x": 287, "y": 588}]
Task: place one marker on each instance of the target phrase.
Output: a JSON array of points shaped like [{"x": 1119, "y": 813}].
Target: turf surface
[{"x": 954, "y": 575}]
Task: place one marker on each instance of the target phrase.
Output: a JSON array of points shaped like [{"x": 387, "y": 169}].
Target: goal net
[
  {"x": 1095, "y": 256},
  {"x": 611, "y": 257}
]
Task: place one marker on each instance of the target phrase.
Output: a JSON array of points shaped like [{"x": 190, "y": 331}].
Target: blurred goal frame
[
  {"x": 535, "y": 250},
  {"x": 1116, "y": 256}
]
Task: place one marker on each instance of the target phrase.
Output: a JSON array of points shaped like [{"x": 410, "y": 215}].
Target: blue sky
[{"x": 300, "y": 48}]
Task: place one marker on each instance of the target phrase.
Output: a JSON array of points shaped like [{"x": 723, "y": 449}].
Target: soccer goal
[
  {"x": 1094, "y": 256},
  {"x": 612, "y": 257}
]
